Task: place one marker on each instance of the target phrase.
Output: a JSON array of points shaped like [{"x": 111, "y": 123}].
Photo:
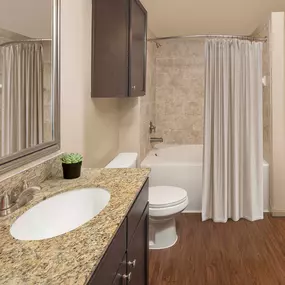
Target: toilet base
[{"x": 162, "y": 232}]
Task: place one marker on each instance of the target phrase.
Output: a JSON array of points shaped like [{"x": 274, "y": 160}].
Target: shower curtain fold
[
  {"x": 22, "y": 97},
  {"x": 233, "y": 133}
]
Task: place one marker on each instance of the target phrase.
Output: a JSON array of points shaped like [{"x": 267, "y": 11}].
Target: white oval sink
[{"x": 60, "y": 214}]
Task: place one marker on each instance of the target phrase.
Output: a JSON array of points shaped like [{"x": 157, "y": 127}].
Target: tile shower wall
[
  {"x": 180, "y": 91},
  {"x": 263, "y": 31},
  {"x": 147, "y": 103}
]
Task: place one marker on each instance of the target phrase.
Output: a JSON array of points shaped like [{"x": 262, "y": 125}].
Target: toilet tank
[{"x": 124, "y": 160}]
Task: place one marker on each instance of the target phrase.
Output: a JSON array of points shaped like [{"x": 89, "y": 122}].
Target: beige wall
[
  {"x": 180, "y": 91},
  {"x": 277, "y": 166},
  {"x": 89, "y": 126},
  {"x": 129, "y": 125},
  {"x": 264, "y": 31}
]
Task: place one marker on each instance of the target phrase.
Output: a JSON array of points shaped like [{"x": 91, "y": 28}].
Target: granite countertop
[{"x": 72, "y": 257}]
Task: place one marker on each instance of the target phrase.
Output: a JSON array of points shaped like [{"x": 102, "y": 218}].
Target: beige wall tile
[{"x": 180, "y": 91}]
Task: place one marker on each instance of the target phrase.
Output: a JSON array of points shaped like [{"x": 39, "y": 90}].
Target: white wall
[
  {"x": 184, "y": 17},
  {"x": 277, "y": 166},
  {"x": 89, "y": 126}
]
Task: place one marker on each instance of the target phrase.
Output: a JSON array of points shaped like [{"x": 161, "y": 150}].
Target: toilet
[
  {"x": 124, "y": 160},
  {"x": 165, "y": 202}
]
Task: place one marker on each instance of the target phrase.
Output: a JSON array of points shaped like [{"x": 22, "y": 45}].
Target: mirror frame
[{"x": 28, "y": 155}]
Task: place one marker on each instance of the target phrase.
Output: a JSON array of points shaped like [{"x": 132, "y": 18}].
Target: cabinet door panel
[
  {"x": 107, "y": 269},
  {"x": 110, "y": 33},
  {"x": 136, "y": 211},
  {"x": 137, "y": 253},
  {"x": 138, "y": 16}
]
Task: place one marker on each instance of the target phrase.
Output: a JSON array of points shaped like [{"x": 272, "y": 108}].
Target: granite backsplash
[{"x": 34, "y": 173}]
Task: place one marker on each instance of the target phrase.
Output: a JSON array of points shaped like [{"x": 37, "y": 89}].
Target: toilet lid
[{"x": 166, "y": 196}]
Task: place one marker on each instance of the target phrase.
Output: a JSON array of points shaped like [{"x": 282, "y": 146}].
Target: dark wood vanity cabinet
[
  {"x": 126, "y": 260},
  {"x": 137, "y": 253},
  {"x": 119, "y": 34}
]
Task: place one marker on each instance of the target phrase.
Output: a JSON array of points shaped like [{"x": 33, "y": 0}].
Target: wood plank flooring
[{"x": 235, "y": 253}]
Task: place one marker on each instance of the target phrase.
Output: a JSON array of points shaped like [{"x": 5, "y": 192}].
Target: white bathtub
[{"x": 181, "y": 166}]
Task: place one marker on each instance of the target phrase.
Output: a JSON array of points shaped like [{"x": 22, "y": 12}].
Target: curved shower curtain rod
[
  {"x": 25, "y": 41},
  {"x": 250, "y": 38}
]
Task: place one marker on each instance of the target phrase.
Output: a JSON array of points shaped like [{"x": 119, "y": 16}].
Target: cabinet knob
[
  {"x": 134, "y": 87},
  {"x": 132, "y": 263},
  {"x": 127, "y": 276}
]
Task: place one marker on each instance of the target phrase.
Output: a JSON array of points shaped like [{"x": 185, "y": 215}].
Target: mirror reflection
[{"x": 26, "y": 99}]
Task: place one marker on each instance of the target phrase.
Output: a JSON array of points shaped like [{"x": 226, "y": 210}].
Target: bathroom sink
[{"x": 60, "y": 214}]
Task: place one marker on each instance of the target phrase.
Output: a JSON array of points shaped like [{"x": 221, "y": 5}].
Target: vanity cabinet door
[
  {"x": 138, "y": 34},
  {"x": 137, "y": 253},
  {"x": 112, "y": 261}
]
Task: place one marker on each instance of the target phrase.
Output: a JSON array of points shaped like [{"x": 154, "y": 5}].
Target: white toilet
[
  {"x": 165, "y": 202},
  {"x": 124, "y": 160}
]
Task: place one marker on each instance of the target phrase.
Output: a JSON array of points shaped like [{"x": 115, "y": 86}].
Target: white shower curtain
[
  {"x": 233, "y": 131},
  {"x": 22, "y": 97}
]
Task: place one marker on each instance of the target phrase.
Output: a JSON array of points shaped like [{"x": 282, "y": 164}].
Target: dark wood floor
[{"x": 235, "y": 253}]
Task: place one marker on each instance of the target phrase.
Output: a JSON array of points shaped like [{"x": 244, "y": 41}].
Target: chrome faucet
[
  {"x": 9, "y": 203},
  {"x": 152, "y": 127}
]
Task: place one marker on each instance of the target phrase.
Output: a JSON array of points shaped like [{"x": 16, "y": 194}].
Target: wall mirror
[{"x": 29, "y": 81}]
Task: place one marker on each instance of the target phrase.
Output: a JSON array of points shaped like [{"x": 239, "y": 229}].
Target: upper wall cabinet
[{"x": 119, "y": 34}]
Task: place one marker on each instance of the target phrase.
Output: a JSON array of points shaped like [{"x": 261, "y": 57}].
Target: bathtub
[{"x": 181, "y": 166}]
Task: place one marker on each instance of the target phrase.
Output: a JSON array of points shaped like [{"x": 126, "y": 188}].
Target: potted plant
[{"x": 71, "y": 165}]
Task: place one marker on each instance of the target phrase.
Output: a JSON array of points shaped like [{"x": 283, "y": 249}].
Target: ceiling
[
  {"x": 31, "y": 18},
  {"x": 189, "y": 17}
]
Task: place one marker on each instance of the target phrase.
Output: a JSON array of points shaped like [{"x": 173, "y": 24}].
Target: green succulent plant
[{"x": 70, "y": 158}]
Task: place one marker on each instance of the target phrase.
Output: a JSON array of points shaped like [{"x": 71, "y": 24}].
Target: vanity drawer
[
  {"x": 136, "y": 211},
  {"x": 108, "y": 267}
]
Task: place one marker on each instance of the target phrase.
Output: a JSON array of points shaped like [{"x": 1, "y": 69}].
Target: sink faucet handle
[{"x": 6, "y": 202}]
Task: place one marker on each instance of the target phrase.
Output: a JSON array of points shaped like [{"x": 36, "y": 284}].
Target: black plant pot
[{"x": 71, "y": 171}]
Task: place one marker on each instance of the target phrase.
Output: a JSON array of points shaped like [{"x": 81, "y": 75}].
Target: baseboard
[
  {"x": 200, "y": 212},
  {"x": 278, "y": 213},
  {"x": 191, "y": 212}
]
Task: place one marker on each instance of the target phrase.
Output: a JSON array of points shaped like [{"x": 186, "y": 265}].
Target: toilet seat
[
  {"x": 166, "y": 200},
  {"x": 166, "y": 196}
]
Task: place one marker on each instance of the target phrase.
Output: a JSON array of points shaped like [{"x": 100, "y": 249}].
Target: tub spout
[{"x": 156, "y": 140}]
